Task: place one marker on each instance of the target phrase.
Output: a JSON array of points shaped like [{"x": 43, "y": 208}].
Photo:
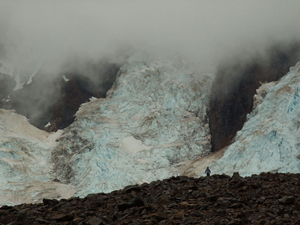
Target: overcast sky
[{"x": 202, "y": 31}]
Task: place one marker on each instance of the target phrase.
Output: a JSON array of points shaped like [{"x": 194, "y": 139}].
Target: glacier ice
[
  {"x": 269, "y": 140},
  {"x": 154, "y": 117}
]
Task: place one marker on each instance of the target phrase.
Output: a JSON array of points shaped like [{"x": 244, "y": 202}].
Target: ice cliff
[{"x": 153, "y": 117}]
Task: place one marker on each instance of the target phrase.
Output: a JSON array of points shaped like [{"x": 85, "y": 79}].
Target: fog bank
[{"x": 54, "y": 32}]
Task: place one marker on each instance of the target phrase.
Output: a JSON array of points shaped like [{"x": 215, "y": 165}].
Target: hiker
[{"x": 207, "y": 171}]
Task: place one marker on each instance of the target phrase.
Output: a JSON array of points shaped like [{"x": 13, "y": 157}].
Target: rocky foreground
[{"x": 220, "y": 199}]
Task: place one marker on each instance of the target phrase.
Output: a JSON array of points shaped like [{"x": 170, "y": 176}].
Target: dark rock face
[
  {"x": 260, "y": 199},
  {"x": 235, "y": 85},
  {"x": 73, "y": 93},
  {"x": 7, "y": 85},
  {"x": 56, "y": 100},
  {"x": 35, "y": 100},
  {"x": 78, "y": 90}
]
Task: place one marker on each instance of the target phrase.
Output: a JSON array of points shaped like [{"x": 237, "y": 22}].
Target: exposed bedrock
[
  {"x": 78, "y": 90},
  {"x": 235, "y": 85},
  {"x": 7, "y": 85}
]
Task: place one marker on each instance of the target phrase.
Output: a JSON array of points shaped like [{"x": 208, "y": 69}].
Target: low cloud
[{"x": 54, "y": 32}]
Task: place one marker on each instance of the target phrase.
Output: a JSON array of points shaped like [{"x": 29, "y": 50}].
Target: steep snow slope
[
  {"x": 270, "y": 139},
  {"x": 26, "y": 171},
  {"x": 153, "y": 117},
  {"x": 23, "y": 148},
  {"x": 14, "y": 72}
]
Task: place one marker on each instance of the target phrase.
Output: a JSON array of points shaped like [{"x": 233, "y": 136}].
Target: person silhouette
[{"x": 207, "y": 171}]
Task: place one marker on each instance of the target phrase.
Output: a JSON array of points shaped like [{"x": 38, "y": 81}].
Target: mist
[
  {"x": 53, "y": 33},
  {"x": 92, "y": 39}
]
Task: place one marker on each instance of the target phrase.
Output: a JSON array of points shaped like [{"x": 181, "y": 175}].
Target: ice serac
[
  {"x": 269, "y": 140},
  {"x": 154, "y": 116}
]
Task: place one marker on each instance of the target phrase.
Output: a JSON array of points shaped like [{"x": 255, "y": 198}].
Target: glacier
[
  {"x": 269, "y": 140},
  {"x": 154, "y": 117},
  {"x": 153, "y": 124}
]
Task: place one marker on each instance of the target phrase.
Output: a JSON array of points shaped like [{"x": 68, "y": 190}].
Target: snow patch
[
  {"x": 65, "y": 78},
  {"x": 132, "y": 145}
]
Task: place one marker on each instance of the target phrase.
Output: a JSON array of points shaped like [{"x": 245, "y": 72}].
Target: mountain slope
[
  {"x": 260, "y": 199},
  {"x": 152, "y": 125}
]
